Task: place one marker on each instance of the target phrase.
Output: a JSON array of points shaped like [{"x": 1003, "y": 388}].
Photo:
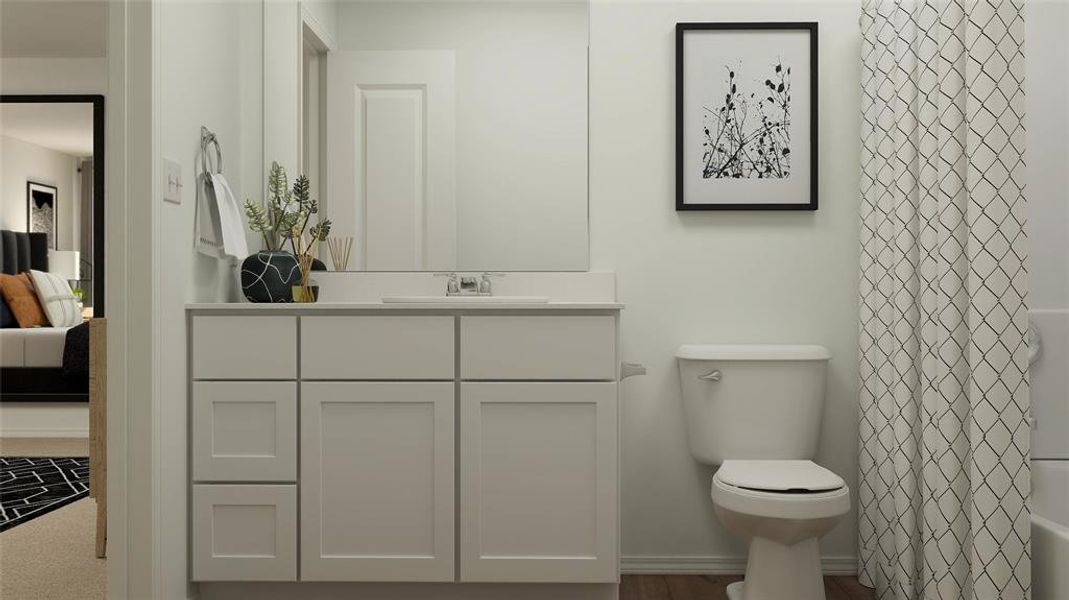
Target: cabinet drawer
[
  {"x": 366, "y": 348},
  {"x": 538, "y": 347},
  {"x": 244, "y": 533},
  {"x": 244, "y": 347},
  {"x": 244, "y": 431}
]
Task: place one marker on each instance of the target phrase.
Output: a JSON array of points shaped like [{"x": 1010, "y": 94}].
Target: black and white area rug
[{"x": 33, "y": 486}]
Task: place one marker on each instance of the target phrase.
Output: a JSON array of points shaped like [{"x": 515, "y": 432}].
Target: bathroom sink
[{"x": 465, "y": 300}]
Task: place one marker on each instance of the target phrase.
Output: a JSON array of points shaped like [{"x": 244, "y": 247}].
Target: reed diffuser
[{"x": 340, "y": 249}]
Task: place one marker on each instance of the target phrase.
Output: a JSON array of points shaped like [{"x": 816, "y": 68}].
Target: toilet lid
[{"x": 779, "y": 476}]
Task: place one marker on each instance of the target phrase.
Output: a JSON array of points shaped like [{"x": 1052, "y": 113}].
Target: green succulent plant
[{"x": 287, "y": 218}]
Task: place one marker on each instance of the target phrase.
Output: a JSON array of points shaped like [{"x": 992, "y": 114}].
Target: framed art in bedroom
[
  {"x": 746, "y": 116},
  {"x": 41, "y": 210}
]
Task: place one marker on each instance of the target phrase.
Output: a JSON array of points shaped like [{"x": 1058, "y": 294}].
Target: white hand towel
[
  {"x": 208, "y": 233},
  {"x": 232, "y": 227}
]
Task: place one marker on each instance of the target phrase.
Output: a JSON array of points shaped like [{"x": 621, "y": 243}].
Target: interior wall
[
  {"x": 521, "y": 121},
  {"x": 54, "y": 75},
  {"x": 47, "y": 76},
  {"x": 716, "y": 277},
  {"x": 23, "y": 161},
  {"x": 1047, "y": 191},
  {"x": 1047, "y": 159},
  {"x": 210, "y": 66}
]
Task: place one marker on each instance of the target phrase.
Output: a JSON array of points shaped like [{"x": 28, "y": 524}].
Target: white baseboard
[
  {"x": 717, "y": 565},
  {"x": 44, "y": 432}
]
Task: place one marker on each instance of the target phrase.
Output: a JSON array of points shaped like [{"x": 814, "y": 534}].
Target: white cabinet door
[
  {"x": 377, "y": 493},
  {"x": 244, "y": 533},
  {"x": 244, "y": 431},
  {"x": 538, "y": 464}
]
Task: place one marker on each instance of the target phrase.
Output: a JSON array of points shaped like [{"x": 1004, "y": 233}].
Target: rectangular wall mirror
[
  {"x": 52, "y": 174},
  {"x": 445, "y": 135}
]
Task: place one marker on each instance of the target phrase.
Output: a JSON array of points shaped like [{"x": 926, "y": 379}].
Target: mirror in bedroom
[
  {"x": 443, "y": 135},
  {"x": 52, "y": 178}
]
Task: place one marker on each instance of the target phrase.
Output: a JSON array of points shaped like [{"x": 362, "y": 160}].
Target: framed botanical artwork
[
  {"x": 746, "y": 116},
  {"x": 41, "y": 210}
]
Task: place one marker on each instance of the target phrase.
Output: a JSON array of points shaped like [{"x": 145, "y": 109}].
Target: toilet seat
[
  {"x": 798, "y": 476},
  {"x": 800, "y": 489}
]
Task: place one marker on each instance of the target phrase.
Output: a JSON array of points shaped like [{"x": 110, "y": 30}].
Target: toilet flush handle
[{"x": 713, "y": 376}]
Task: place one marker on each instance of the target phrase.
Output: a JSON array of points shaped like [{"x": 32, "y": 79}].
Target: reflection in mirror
[
  {"x": 52, "y": 200},
  {"x": 448, "y": 135}
]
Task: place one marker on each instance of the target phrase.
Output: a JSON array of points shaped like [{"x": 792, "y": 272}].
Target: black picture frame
[
  {"x": 99, "y": 169},
  {"x": 681, "y": 30},
  {"x": 36, "y": 187}
]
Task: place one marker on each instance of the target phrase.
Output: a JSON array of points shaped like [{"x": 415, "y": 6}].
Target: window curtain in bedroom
[{"x": 944, "y": 435}]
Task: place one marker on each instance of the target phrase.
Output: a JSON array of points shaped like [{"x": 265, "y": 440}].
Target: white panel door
[
  {"x": 538, "y": 465},
  {"x": 377, "y": 493},
  {"x": 392, "y": 157}
]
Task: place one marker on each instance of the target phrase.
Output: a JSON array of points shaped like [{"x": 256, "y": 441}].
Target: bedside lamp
[{"x": 65, "y": 264}]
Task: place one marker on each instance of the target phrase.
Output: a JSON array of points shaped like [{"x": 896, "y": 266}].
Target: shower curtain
[{"x": 944, "y": 435}]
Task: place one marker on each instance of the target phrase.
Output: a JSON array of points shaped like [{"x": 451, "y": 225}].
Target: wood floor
[{"x": 711, "y": 587}]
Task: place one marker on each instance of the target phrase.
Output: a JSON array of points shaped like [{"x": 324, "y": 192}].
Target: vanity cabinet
[{"x": 404, "y": 445}]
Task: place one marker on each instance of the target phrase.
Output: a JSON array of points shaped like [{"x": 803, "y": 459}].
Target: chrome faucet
[
  {"x": 469, "y": 285},
  {"x": 452, "y": 286},
  {"x": 485, "y": 285}
]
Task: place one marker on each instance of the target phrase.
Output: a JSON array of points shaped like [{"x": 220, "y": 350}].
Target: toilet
[{"x": 755, "y": 411}]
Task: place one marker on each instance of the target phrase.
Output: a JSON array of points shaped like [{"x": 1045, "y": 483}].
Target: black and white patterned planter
[{"x": 270, "y": 276}]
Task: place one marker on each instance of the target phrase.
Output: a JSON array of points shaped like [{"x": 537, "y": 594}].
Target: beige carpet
[{"x": 52, "y": 557}]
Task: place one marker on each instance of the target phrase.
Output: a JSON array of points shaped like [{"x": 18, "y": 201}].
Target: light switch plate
[{"x": 172, "y": 181}]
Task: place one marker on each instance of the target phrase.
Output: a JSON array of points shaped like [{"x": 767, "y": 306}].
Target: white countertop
[{"x": 317, "y": 307}]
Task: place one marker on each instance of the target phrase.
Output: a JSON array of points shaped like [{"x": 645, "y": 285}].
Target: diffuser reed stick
[{"x": 340, "y": 247}]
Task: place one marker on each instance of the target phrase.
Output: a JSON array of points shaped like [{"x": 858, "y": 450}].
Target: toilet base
[{"x": 775, "y": 571}]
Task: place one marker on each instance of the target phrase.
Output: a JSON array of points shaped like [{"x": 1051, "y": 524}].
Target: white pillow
[{"x": 56, "y": 297}]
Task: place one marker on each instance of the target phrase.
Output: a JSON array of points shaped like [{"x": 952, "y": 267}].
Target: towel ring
[{"x": 208, "y": 138}]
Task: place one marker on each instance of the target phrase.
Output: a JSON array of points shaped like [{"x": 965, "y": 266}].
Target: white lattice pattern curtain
[{"x": 944, "y": 473}]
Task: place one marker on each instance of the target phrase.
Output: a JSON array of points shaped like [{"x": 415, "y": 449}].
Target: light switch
[{"x": 172, "y": 181}]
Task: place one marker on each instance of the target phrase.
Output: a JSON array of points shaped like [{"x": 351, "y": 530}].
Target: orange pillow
[{"x": 22, "y": 300}]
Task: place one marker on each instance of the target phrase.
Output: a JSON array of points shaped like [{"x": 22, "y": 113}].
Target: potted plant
[
  {"x": 271, "y": 274},
  {"x": 305, "y": 246}
]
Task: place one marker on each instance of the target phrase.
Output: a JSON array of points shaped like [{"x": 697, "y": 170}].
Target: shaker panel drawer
[
  {"x": 370, "y": 348},
  {"x": 244, "y": 431},
  {"x": 244, "y": 533},
  {"x": 244, "y": 347},
  {"x": 538, "y": 348}
]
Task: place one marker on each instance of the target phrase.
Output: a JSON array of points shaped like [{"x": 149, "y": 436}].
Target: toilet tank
[{"x": 752, "y": 402}]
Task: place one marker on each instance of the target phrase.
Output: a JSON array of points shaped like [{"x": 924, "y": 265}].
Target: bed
[{"x": 32, "y": 360}]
